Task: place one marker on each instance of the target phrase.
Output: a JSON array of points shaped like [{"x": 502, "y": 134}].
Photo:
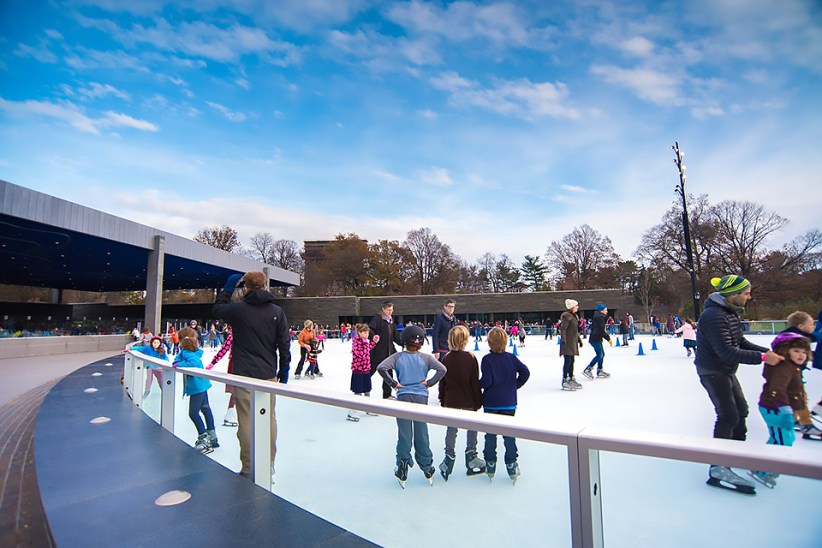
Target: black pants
[
  {"x": 303, "y": 355},
  {"x": 729, "y": 404},
  {"x": 386, "y": 388},
  {"x": 568, "y": 367}
]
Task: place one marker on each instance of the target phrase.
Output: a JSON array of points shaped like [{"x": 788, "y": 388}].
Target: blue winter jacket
[
  {"x": 149, "y": 351},
  {"x": 502, "y": 375},
  {"x": 187, "y": 358},
  {"x": 720, "y": 345}
]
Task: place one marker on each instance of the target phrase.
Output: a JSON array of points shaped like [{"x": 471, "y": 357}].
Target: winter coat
[
  {"x": 598, "y": 329},
  {"x": 569, "y": 334},
  {"x": 721, "y": 347},
  {"x": 688, "y": 332},
  {"x": 361, "y": 355},
  {"x": 783, "y": 386},
  {"x": 305, "y": 337},
  {"x": 149, "y": 351},
  {"x": 260, "y": 332},
  {"x": 502, "y": 375},
  {"x": 192, "y": 358},
  {"x": 439, "y": 333},
  {"x": 460, "y": 388},
  {"x": 389, "y": 336}
]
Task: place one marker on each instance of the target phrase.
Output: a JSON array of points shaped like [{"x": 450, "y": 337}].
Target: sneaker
[
  {"x": 602, "y": 375},
  {"x": 587, "y": 372}
]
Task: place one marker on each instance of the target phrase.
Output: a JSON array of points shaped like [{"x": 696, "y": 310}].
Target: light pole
[{"x": 680, "y": 189}]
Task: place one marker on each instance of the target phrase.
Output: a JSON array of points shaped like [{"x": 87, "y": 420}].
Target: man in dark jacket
[
  {"x": 382, "y": 324},
  {"x": 260, "y": 331},
  {"x": 721, "y": 347},
  {"x": 442, "y": 325},
  {"x": 598, "y": 333}
]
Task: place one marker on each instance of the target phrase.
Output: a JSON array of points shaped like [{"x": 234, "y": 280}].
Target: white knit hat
[{"x": 570, "y": 303}]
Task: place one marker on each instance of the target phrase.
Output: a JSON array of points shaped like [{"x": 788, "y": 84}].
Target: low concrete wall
[{"x": 24, "y": 347}]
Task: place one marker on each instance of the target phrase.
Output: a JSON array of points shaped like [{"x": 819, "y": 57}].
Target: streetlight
[{"x": 680, "y": 189}]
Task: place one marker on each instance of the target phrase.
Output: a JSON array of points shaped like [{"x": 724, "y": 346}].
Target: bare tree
[
  {"x": 222, "y": 237},
  {"x": 578, "y": 259},
  {"x": 742, "y": 228},
  {"x": 261, "y": 244},
  {"x": 433, "y": 263},
  {"x": 469, "y": 279}
]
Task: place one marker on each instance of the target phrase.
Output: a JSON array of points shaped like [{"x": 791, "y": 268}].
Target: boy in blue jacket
[
  {"x": 502, "y": 375},
  {"x": 412, "y": 385},
  {"x": 197, "y": 389}
]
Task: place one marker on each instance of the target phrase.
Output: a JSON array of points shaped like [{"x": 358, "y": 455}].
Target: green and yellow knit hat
[{"x": 730, "y": 284}]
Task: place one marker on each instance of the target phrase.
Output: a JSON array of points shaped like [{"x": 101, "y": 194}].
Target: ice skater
[
  {"x": 196, "y": 388},
  {"x": 721, "y": 347},
  {"x": 230, "y": 418},
  {"x": 412, "y": 383},
  {"x": 688, "y": 331},
  {"x": 460, "y": 389},
  {"x": 155, "y": 349},
  {"x": 502, "y": 375},
  {"x": 598, "y": 334},
  {"x": 783, "y": 394},
  {"x": 361, "y": 349},
  {"x": 569, "y": 343}
]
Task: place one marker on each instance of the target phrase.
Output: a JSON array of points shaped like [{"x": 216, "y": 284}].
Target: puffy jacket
[
  {"x": 188, "y": 358},
  {"x": 721, "y": 347},
  {"x": 260, "y": 332}
]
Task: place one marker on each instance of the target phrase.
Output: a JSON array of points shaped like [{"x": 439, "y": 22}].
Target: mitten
[{"x": 231, "y": 282}]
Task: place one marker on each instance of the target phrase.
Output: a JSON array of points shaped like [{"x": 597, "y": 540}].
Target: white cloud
[
  {"x": 638, "y": 45},
  {"x": 427, "y": 113},
  {"x": 232, "y": 115},
  {"x": 706, "y": 112},
  {"x": 70, "y": 114},
  {"x": 520, "y": 98},
  {"x": 661, "y": 88},
  {"x": 40, "y": 53},
  {"x": 576, "y": 189},
  {"x": 437, "y": 176},
  {"x": 95, "y": 90}
]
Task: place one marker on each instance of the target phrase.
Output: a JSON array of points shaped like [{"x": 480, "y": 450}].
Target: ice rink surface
[{"x": 343, "y": 471}]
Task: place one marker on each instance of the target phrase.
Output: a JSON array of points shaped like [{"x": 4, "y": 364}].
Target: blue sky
[{"x": 499, "y": 125}]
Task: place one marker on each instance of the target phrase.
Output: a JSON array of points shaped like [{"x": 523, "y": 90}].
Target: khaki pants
[{"x": 242, "y": 401}]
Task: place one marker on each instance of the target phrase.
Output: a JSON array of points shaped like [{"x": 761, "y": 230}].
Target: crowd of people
[{"x": 255, "y": 335}]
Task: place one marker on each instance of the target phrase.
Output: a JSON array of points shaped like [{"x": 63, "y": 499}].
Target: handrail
[{"x": 583, "y": 441}]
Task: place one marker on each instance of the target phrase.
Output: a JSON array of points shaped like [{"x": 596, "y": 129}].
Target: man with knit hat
[{"x": 721, "y": 347}]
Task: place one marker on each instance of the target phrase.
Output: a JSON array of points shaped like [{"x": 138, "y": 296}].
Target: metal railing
[{"x": 583, "y": 444}]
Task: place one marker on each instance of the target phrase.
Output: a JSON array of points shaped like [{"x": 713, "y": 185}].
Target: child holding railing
[{"x": 196, "y": 388}]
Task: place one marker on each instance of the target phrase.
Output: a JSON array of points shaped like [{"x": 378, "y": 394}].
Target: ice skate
[
  {"x": 370, "y": 414},
  {"x": 513, "y": 471},
  {"x": 446, "y": 467},
  {"x": 202, "y": 444},
  {"x": 311, "y": 376},
  {"x": 146, "y": 393},
  {"x": 765, "y": 478},
  {"x": 566, "y": 385},
  {"x": 491, "y": 469},
  {"x": 811, "y": 432},
  {"x": 575, "y": 384},
  {"x": 297, "y": 377},
  {"x": 603, "y": 375},
  {"x": 212, "y": 439},
  {"x": 798, "y": 427},
  {"x": 401, "y": 472},
  {"x": 429, "y": 474},
  {"x": 816, "y": 414},
  {"x": 725, "y": 478},
  {"x": 353, "y": 416},
  {"x": 230, "y": 418},
  {"x": 319, "y": 374},
  {"x": 587, "y": 372},
  {"x": 473, "y": 464}
]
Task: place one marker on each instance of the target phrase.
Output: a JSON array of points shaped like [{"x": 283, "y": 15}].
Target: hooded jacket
[
  {"x": 259, "y": 331},
  {"x": 721, "y": 347},
  {"x": 569, "y": 334}
]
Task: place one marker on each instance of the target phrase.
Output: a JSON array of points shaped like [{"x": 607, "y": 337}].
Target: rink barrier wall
[
  {"x": 24, "y": 347},
  {"x": 583, "y": 442}
]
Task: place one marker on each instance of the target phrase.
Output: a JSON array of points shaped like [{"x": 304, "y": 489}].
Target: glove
[
  {"x": 282, "y": 376},
  {"x": 611, "y": 342},
  {"x": 231, "y": 282}
]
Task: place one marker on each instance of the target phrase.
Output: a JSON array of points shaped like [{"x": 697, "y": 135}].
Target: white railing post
[
  {"x": 575, "y": 490},
  {"x": 590, "y": 494},
  {"x": 168, "y": 399},
  {"x": 127, "y": 376},
  {"x": 261, "y": 410}
]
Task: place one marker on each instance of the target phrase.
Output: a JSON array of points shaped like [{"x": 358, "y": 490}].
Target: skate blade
[
  {"x": 812, "y": 437},
  {"x": 472, "y": 473},
  {"x": 744, "y": 489},
  {"x": 768, "y": 484},
  {"x": 230, "y": 424},
  {"x": 444, "y": 476},
  {"x": 402, "y": 483},
  {"x": 352, "y": 419}
]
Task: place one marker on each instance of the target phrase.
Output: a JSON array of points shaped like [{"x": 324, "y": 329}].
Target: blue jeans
[
  {"x": 413, "y": 433},
  {"x": 198, "y": 403},
  {"x": 599, "y": 358},
  {"x": 490, "y": 451}
]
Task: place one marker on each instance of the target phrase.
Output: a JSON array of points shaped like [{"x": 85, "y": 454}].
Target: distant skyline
[{"x": 501, "y": 126}]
